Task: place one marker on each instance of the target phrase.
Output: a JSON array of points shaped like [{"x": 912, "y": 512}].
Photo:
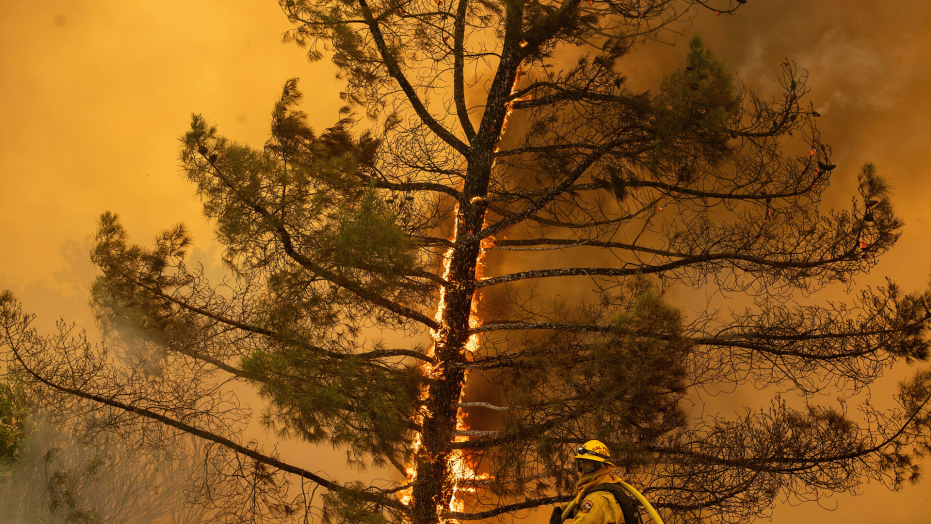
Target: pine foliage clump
[{"x": 695, "y": 109}]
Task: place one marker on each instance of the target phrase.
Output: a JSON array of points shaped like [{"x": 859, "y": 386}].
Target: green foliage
[
  {"x": 347, "y": 507},
  {"x": 627, "y": 383},
  {"x": 368, "y": 237},
  {"x": 64, "y": 487},
  {"x": 14, "y": 414},
  {"x": 347, "y": 402},
  {"x": 637, "y": 372},
  {"x": 913, "y": 395},
  {"x": 126, "y": 299},
  {"x": 877, "y": 205},
  {"x": 315, "y": 188},
  {"x": 693, "y": 108}
]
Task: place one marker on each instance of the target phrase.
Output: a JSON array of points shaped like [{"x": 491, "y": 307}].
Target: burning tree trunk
[{"x": 433, "y": 490}]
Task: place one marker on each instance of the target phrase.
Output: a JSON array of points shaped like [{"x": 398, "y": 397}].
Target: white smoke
[{"x": 58, "y": 480}]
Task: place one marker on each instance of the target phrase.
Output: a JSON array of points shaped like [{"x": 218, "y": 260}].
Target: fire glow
[{"x": 462, "y": 473}]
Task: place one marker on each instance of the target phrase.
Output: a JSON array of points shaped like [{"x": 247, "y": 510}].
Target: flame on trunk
[
  {"x": 463, "y": 475},
  {"x": 430, "y": 371}
]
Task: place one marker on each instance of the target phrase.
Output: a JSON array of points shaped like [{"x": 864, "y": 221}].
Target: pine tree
[{"x": 533, "y": 262}]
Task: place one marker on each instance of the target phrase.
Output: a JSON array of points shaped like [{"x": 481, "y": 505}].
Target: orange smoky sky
[{"x": 94, "y": 94}]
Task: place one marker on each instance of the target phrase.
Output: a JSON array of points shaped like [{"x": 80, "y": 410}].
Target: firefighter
[{"x": 601, "y": 497}]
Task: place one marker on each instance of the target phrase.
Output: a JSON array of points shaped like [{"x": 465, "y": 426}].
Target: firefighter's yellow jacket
[{"x": 597, "y": 507}]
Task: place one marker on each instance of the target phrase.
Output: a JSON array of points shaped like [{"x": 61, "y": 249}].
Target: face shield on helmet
[{"x": 587, "y": 466}]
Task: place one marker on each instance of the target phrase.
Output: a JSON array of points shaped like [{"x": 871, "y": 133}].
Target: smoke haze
[{"x": 94, "y": 95}]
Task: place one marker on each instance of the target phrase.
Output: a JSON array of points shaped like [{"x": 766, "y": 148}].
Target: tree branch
[
  {"x": 459, "y": 70},
  {"x": 382, "y": 183},
  {"x": 277, "y": 336},
  {"x": 203, "y": 434},
  {"x": 552, "y": 193},
  {"x": 348, "y": 285},
  {"x": 529, "y": 503},
  {"x": 686, "y": 261},
  {"x": 504, "y": 326},
  {"x": 803, "y": 463},
  {"x": 395, "y": 71}
]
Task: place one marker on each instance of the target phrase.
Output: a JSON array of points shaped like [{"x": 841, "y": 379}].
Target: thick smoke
[{"x": 56, "y": 479}]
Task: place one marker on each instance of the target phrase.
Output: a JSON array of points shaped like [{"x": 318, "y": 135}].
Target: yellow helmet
[{"x": 594, "y": 450}]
